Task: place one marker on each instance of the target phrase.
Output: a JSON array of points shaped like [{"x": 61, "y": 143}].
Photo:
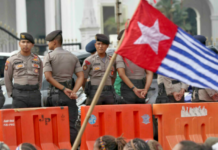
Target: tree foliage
[{"x": 174, "y": 11}]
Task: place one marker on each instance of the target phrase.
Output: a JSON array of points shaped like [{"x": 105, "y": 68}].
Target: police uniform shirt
[
  {"x": 95, "y": 67},
  {"x": 25, "y": 70},
  {"x": 169, "y": 86},
  {"x": 132, "y": 71},
  {"x": 205, "y": 94},
  {"x": 62, "y": 64}
]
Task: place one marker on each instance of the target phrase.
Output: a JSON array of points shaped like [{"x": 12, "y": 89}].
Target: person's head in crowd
[
  {"x": 202, "y": 39},
  {"x": 154, "y": 145},
  {"x": 211, "y": 47},
  {"x": 136, "y": 144},
  {"x": 26, "y": 146},
  {"x": 189, "y": 145},
  {"x": 211, "y": 141},
  {"x": 3, "y": 146},
  {"x": 90, "y": 47},
  {"x": 108, "y": 142}
]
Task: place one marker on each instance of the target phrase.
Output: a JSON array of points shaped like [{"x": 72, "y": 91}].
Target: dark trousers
[
  {"x": 2, "y": 99},
  {"x": 64, "y": 100},
  {"x": 26, "y": 96},
  {"x": 107, "y": 96},
  {"x": 128, "y": 94}
]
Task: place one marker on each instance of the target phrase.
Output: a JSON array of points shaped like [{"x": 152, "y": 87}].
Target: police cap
[
  {"x": 51, "y": 36},
  {"x": 102, "y": 38},
  {"x": 200, "y": 38},
  {"x": 90, "y": 47},
  {"x": 27, "y": 36},
  {"x": 120, "y": 34}
]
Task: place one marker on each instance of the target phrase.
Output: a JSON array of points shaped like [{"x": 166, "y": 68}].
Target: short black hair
[
  {"x": 190, "y": 145},
  {"x": 59, "y": 39},
  {"x": 138, "y": 144},
  {"x": 27, "y": 146}
]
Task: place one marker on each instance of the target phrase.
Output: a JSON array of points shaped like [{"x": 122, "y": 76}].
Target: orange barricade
[
  {"x": 131, "y": 121},
  {"x": 185, "y": 121},
  {"x": 46, "y": 128}
]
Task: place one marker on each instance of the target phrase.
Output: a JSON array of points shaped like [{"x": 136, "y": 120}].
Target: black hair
[
  {"x": 27, "y": 146},
  {"x": 59, "y": 39},
  {"x": 111, "y": 143},
  {"x": 190, "y": 145},
  {"x": 137, "y": 144}
]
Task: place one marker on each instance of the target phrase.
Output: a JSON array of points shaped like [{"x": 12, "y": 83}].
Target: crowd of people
[{"x": 108, "y": 142}]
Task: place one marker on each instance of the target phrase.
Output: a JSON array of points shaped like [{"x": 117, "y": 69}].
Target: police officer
[
  {"x": 59, "y": 66},
  {"x": 95, "y": 67},
  {"x": 26, "y": 70},
  {"x": 90, "y": 47},
  {"x": 134, "y": 86},
  {"x": 199, "y": 94},
  {"x": 174, "y": 89}
]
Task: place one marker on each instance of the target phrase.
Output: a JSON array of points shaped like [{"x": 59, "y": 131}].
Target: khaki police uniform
[
  {"x": 95, "y": 67},
  {"x": 63, "y": 65},
  {"x": 27, "y": 74},
  {"x": 136, "y": 75},
  {"x": 203, "y": 95},
  {"x": 171, "y": 86}
]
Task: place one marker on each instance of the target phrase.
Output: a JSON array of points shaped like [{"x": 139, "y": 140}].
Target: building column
[
  {"x": 49, "y": 16},
  {"x": 21, "y": 17},
  {"x": 214, "y": 23},
  {"x": 89, "y": 27},
  {"x": 67, "y": 19}
]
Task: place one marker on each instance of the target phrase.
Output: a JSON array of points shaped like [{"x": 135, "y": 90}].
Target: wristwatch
[
  {"x": 63, "y": 88},
  {"x": 133, "y": 87}
]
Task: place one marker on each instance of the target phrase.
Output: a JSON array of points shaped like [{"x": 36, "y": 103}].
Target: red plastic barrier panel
[
  {"x": 46, "y": 128},
  {"x": 185, "y": 121},
  {"x": 131, "y": 121}
]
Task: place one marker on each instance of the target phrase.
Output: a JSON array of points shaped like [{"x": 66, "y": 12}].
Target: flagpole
[{"x": 96, "y": 97}]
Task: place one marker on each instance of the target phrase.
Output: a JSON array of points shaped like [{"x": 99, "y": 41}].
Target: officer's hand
[
  {"x": 138, "y": 92},
  {"x": 215, "y": 97},
  {"x": 177, "y": 96},
  {"x": 73, "y": 95},
  {"x": 68, "y": 92},
  {"x": 143, "y": 93}
]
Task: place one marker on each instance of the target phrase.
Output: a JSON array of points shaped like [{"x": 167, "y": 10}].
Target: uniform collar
[
  {"x": 58, "y": 48},
  {"x": 98, "y": 55}
]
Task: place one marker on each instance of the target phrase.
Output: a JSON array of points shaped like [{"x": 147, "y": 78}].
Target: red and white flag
[{"x": 155, "y": 43}]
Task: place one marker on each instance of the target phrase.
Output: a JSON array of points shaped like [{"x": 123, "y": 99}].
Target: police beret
[
  {"x": 200, "y": 38},
  {"x": 90, "y": 47},
  {"x": 51, "y": 36},
  {"x": 27, "y": 36},
  {"x": 120, "y": 34},
  {"x": 102, "y": 38}
]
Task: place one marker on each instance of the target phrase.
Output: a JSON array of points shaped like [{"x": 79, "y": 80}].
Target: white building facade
[{"x": 80, "y": 20}]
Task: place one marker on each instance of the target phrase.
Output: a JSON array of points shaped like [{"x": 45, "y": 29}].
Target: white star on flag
[{"x": 151, "y": 36}]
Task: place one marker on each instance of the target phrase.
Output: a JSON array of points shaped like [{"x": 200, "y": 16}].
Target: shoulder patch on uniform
[
  {"x": 87, "y": 62},
  {"x": 7, "y": 62},
  {"x": 85, "y": 67},
  {"x": 6, "y": 67}
]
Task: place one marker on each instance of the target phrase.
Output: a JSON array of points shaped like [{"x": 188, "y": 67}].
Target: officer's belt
[
  {"x": 175, "y": 81},
  {"x": 106, "y": 87},
  {"x": 26, "y": 87},
  {"x": 135, "y": 81},
  {"x": 66, "y": 84}
]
